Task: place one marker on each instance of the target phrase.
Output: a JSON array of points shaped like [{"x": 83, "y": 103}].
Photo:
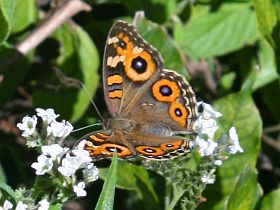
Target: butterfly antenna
[
  {"x": 92, "y": 102},
  {"x": 85, "y": 127}
]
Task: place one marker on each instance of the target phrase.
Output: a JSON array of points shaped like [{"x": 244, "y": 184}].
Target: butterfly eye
[
  {"x": 178, "y": 113},
  {"x": 139, "y": 65},
  {"x": 165, "y": 90},
  {"x": 122, "y": 44}
]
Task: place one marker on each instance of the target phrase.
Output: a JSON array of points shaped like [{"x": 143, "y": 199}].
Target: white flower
[
  {"x": 90, "y": 173},
  {"x": 43, "y": 165},
  {"x": 47, "y": 115},
  {"x": 81, "y": 145},
  {"x": 207, "y": 179},
  {"x": 79, "y": 189},
  {"x": 208, "y": 111},
  {"x": 55, "y": 151},
  {"x": 208, "y": 127},
  {"x": 21, "y": 206},
  {"x": 206, "y": 148},
  {"x": 206, "y": 123},
  {"x": 28, "y": 125},
  {"x": 43, "y": 205},
  {"x": 234, "y": 142},
  {"x": 79, "y": 152},
  {"x": 218, "y": 162},
  {"x": 7, "y": 205},
  {"x": 60, "y": 129},
  {"x": 70, "y": 164}
]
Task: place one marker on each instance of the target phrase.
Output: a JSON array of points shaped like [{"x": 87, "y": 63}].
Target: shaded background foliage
[{"x": 228, "y": 50}]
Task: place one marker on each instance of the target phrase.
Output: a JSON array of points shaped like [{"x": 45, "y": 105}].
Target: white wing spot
[
  {"x": 113, "y": 40},
  {"x": 113, "y": 61},
  {"x": 137, "y": 50}
]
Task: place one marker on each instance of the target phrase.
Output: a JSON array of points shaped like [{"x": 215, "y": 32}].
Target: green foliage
[
  {"x": 270, "y": 201},
  {"x": 240, "y": 112},
  {"x": 7, "y": 9},
  {"x": 106, "y": 199},
  {"x": 215, "y": 34},
  {"x": 229, "y": 51}
]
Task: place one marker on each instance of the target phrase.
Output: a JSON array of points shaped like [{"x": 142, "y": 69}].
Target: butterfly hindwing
[{"x": 101, "y": 144}]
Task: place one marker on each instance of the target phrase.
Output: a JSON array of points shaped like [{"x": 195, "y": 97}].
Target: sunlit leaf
[
  {"x": 271, "y": 201},
  {"x": 7, "y": 8},
  {"x": 246, "y": 191},
  {"x": 25, "y": 15},
  {"x": 217, "y": 33},
  {"x": 266, "y": 17}
]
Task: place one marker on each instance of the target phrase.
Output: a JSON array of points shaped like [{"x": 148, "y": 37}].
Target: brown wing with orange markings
[
  {"x": 130, "y": 66},
  {"x": 158, "y": 147},
  {"x": 170, "y": 100},
  {"x": 102, "y": 144}
]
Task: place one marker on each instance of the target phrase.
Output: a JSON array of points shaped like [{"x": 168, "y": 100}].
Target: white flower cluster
[
  {"x": 206, "y": 129},
  {"x": 42, "y": 205},
  {"x": 54, "y": 128},
  {"x": 55, "y": 158}
]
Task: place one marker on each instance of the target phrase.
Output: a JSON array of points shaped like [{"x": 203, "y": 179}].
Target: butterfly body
[{"x": 149, "y": 105}]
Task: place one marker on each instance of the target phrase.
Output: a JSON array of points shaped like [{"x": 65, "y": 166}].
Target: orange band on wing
[
  {"x": 95, "y": 138},
  {"x": 165, "y": 90},
  {"x": 144, "y": 74},
  {"x": 114, "y": 79},
  {"x": 178, "y": 113},
  {"x": 102, "y": 135},
  {"x": 115, "y": 94},
  {"x": 171, "y": 146},
  {"x": 149, "y": 151},
  {"x": 108, "y": 150}
]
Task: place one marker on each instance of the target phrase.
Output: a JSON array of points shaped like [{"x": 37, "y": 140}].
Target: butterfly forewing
[{"x": 129, "y": 64}]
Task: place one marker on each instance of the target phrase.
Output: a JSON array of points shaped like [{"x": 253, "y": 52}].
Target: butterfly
[{"x": 149, "y": 106}]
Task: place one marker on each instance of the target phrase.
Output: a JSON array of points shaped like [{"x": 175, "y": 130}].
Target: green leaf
[
  {"x": 156, "y": 36},
  {"x": 88, "y": 59},
  {"x": 2, "y": 175},
  {"x": 156, "y": 10},
  {"x": 135, "y": 178},
  {"x": 14, "y": 72},
  {"x": 271, "y": 201},
  {"x": 26, "y": 14},
  {"x": 7, "y": 191},
  {"x": 79, "y": 59},
  {"x": 7, "y": 8},
  {"x": 217, "y": 33},
  {"x": 266, "y": 17},
  {"x": 55, "y": 207},
  {"x": 246, "y": 191},
  {"x": 106, "y": 198},
  {"x": 240, "y": 111},
  {"x": 227, "y": 80},
  {"x": 267, "y": 71}
]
